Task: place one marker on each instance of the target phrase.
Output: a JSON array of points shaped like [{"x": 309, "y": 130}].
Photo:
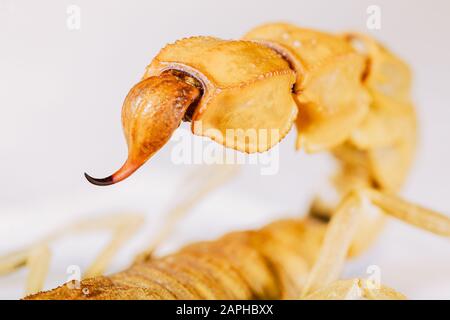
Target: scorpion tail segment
[{"x": 152, "y": 111}]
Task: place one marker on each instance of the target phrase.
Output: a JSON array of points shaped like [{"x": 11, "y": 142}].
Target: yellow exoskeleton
[{"x": 346, "y": 94}]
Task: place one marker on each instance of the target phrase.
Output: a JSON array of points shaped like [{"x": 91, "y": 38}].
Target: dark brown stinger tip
[
  {"x": 100, "y": 182},
  {"x": 124, "y": 172}
]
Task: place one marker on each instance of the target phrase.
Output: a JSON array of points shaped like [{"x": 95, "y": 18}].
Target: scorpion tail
[{"x": 152, "y": 111}]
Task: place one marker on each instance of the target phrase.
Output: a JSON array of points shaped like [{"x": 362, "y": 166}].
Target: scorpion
[{"x": 346, "y": 94}]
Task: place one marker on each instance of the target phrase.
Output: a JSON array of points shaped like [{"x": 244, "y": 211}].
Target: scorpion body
[
  {"x": 240, "y": 265},
  {"x": 345, "y": 94}
]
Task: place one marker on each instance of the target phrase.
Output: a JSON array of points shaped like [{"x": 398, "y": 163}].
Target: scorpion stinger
[{"x": 151, "y": 112}]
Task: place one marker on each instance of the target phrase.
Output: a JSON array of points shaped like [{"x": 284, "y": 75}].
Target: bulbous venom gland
[{"x": 151, "y": 112}]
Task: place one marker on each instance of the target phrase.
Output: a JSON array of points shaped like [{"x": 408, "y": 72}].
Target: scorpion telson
[{"x": 151, "y": 112}]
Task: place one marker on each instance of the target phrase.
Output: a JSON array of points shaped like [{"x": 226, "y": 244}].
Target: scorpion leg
[
  {"x": 38, "y": 262},
  {"x": 123, "y": 229},
  {"x": 37, "y": 259},
  {"x": 411, "y": 213},
  {"x": 338, "y": 238},
  {"x": 13, "y": 261},
  {"x": 347, "y": 220}
]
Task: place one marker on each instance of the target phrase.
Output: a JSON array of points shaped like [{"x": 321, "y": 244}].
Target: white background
[{"x": 61, "y": 92}]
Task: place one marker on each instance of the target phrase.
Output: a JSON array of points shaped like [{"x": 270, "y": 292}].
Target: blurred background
[{"x": 61, "y": 91}]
